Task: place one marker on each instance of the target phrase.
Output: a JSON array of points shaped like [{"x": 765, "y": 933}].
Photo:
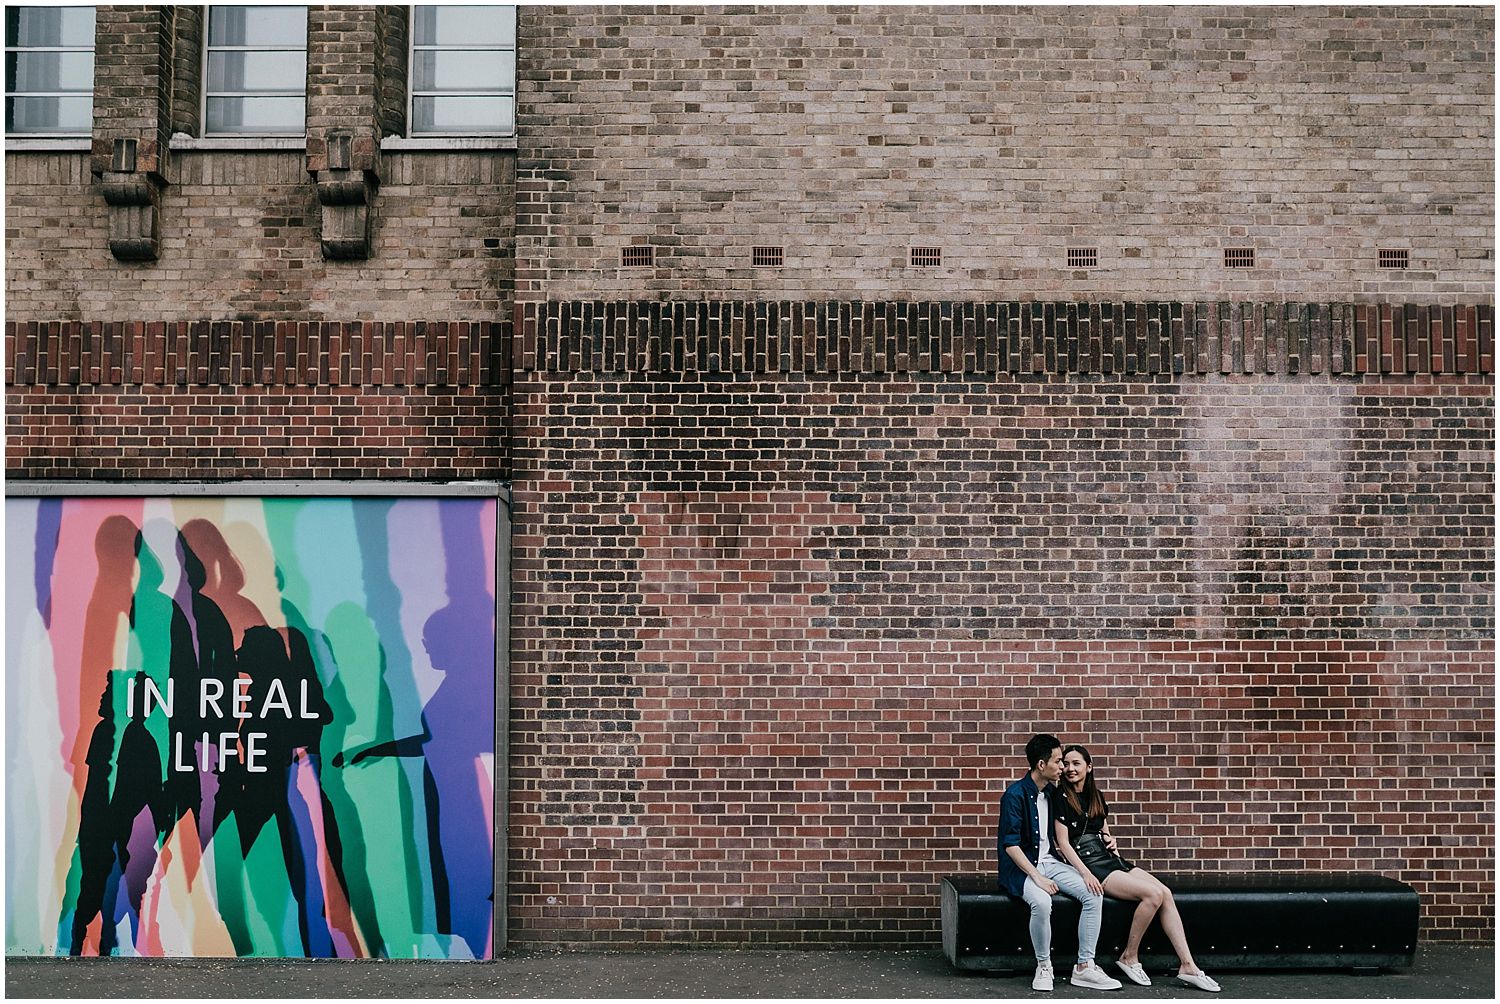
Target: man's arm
[
  {"x": 1012, "y": 818},
  {"x": 1032, "y": 871}
]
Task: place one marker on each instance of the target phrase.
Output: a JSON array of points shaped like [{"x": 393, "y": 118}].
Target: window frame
[
  {"x": 411, "y": 92},
  {"x": 92, "y": 50},
  {"x": 204, "y": 93}
]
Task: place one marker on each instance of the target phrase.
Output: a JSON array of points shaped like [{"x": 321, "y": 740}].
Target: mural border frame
[{"x": 282, "y": 488}]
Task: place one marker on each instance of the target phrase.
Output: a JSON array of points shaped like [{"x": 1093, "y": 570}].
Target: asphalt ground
[{"x": 1441, "y": 972}]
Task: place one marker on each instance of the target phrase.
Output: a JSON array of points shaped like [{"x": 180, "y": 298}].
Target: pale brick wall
[
  {"x": 239, "y": 236},
  {"x": 1005, "y": 136}
]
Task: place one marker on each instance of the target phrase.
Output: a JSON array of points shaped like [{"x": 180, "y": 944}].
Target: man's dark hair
[{"x": 1040, "y": 749}]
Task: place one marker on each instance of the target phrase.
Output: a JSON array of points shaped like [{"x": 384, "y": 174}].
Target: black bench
[{"x": 1238, "y": 920}]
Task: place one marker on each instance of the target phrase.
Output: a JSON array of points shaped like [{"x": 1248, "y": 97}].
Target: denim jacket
[{"x": 1018, "y": 828}]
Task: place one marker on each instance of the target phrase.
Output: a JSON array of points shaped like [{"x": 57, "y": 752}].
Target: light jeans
[{"x": 1071, "y": 884}]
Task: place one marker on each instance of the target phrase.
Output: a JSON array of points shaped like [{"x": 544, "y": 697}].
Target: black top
[{"x": 1076, "y": 822}]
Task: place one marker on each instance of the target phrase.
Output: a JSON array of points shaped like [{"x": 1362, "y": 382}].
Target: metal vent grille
[
  {"x": 1083, "y": 257},
  {"x": 1239, "y": 257},
  {"x": 1395, "y": 258},
  {"x": 926, "y": 257},
  {"x": 767, "y": 257},
  {"x": 638, "y": 257}
]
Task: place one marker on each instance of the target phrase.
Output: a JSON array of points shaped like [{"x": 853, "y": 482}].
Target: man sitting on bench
[{"x": 1028, "y": 868}]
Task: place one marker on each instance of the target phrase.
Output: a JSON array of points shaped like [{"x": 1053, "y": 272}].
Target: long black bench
[{"x": 1238, "y": 920}]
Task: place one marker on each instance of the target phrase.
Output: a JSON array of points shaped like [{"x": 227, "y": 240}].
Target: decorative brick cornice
[
  {"x": 257, "y": 353},
  {"x": 1110, "y": 339}
]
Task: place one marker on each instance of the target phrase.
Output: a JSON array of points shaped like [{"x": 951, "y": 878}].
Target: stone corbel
[
  {"x": 346, "y": 172},
  {"x": 132, "y": 187}
]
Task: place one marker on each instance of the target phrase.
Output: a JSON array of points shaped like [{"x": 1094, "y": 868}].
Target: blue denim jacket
[{"x": 1018, "y": 828}]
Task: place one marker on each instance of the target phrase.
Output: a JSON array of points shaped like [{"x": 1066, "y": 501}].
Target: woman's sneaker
[
  {"x": 1043, "y": 978},
  {"x": 1135, "y": 971},
  {"x": 1202, "y": 981},
  {"x": 1094, "y": 978}
]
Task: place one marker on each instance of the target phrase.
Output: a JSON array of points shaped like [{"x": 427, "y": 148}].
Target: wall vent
[
  {"x": 926, "y": 257},
  {"x": 638, "y": 257},
  {"x": 1083, "y": 257},
  {"x": 1395, "y": 258},
  {"x": 1239, "y": 257},
  {"x": 767, "y": 257}
]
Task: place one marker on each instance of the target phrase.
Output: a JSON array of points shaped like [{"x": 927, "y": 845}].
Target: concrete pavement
[{"x": 1441, "y": 971}]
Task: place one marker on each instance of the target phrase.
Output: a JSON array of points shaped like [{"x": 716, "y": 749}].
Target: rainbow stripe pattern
[{"x": 250, "y": 727}]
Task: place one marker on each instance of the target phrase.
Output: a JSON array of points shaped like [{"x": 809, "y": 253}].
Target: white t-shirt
[{"x": 1044, "y": 845}]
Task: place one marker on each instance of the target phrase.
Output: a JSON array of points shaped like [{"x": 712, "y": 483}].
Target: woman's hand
[
  {"x": 1090, "y": 883},
  {"x": 1109, "y": 841}
]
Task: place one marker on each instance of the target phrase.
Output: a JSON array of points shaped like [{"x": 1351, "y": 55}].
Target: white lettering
[
  {"x": 239, "y": 701},
  {"x": 152, "y": 691},
  {"x": 276, "y": 697},
  {"x": 305, "y": 702},
  {"x": 177, "y": 763},
  {"x": 226, "y": 747},
  {"x": 253, "y": 750},
  {"x": 205, "y": 698}
]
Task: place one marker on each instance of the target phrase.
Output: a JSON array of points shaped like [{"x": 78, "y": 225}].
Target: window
[
  {"x": 926, "y": 257},
  {"x": 463, "y": 71},
  {"x": 1394, "y": 258},
  {"x": 767, "y": 257},
  {"x": 49, "y": 71},
  {"x": 638, "y": 257},
  {"x": 255, "y": 77},
  {"x": 1239, "y": 257}
]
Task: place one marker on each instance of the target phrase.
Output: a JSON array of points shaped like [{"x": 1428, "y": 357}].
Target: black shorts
[{"x": 1098, "y": 858}]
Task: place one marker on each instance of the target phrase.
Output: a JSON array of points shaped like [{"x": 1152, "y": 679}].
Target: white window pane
[
  {"x": 463, "y": 114},
  {"x": 49, "y": 71},
  {"x": 49, "y": 26},
  {"x": 70, "y": 114},
  {"x": 256, "y": 115},
  {"x": 463, "y": 70},
  {"x": 256, "y": 71},
  {"x": 258, "y": 26},
  {"x": 464, "y": 26}
]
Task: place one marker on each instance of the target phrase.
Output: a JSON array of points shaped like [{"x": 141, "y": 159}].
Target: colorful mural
[{"x": 250, "y": 727}]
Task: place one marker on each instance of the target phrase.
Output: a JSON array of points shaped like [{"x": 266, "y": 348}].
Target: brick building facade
[{"x": 805, "y": 550}]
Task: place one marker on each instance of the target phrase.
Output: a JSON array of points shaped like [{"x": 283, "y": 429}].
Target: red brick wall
[
  {"x": 223, "y": 400},
  {"x": 779, "y": 637}
]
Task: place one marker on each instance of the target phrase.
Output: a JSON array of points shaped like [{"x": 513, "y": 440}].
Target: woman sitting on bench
[{"x": 1083, "y": 839}]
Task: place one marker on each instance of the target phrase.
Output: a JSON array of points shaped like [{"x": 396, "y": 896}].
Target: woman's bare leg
[
  {"x": 1138, "y": 886},
  {"x": 1171, "y": 924}
]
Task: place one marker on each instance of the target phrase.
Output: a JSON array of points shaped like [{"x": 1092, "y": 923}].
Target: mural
[{"x": 250, "y": 727}]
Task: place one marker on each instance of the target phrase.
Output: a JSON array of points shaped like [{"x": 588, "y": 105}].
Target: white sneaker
[
  {"x": 1135, "y": 971},
  {"x": 1043, "y": 978},
  {"x": 1095, "y": 978},
  {"x": 1202, "y": 981}
]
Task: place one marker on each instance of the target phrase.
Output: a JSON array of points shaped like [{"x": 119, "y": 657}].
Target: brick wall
[
  {"x": 794, "y": 580},
  {"x": 778, "y": 638},
  {"x": 239, "y": 237},
  {"x": 225, "y": 400},
  {"x": 1005, "y": 136}
]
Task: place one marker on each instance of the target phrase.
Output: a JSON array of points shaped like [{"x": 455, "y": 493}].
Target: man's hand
[{"x": 1047, "y": 885}]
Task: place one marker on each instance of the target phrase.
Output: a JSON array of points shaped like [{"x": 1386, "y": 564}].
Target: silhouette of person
[
  {"x": 280, "y": 671},
  {"x": 120, "y": 787}
]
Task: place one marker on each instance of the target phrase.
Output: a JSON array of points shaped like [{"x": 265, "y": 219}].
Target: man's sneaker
[
  {"x": 1095, "y": 978},
  {"x": 1043, "y": 978}
]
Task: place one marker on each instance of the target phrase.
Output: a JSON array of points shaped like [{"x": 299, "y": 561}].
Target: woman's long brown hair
[{"x": 1091, "y": 797}]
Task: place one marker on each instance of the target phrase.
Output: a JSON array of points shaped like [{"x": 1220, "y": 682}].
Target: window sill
[
  {"x": 182, "y": 141},
  {"x": 20, "y": 144},
  {"x": 398, "y": 143}
]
